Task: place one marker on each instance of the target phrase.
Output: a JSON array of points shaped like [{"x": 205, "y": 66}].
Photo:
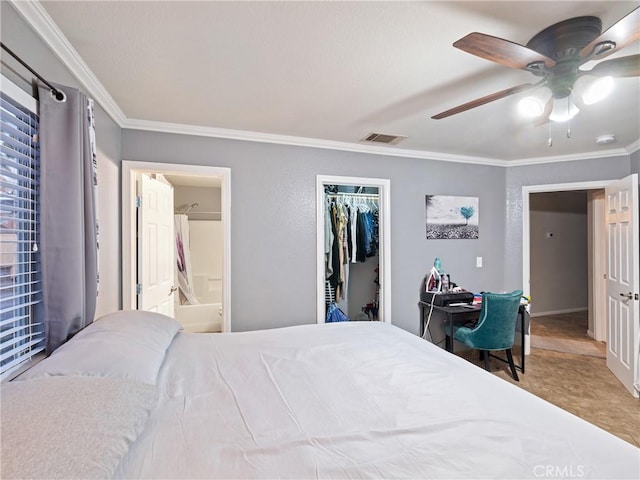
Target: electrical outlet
[{"x": 479, "y": 262}]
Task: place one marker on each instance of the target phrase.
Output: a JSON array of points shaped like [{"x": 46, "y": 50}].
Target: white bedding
[{"x": 355, "y": 400}]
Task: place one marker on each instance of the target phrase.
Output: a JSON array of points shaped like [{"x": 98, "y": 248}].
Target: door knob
[
  {"x": 628, "y": 296},
  {"x": 173, "y": 289}
]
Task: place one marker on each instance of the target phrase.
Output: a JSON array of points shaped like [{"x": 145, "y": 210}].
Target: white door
[
  {"x": 156, "y": 251},
  {"x": 622, "y": 280}
]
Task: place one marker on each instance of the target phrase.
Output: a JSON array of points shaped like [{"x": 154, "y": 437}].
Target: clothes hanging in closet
[
  {"x": 367, "y": 234},
  {"x": 351, "y": 235}
]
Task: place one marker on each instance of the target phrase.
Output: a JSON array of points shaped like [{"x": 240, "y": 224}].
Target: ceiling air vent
[{"x": 384, "y": 138}]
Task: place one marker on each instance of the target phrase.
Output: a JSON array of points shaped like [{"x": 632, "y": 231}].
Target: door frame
[
  {"x": 128, "y": 205},
  {"x": 384, "y": 208},
  {"x": 598, "y": 260},
  {"x": 526, "y": 245}
]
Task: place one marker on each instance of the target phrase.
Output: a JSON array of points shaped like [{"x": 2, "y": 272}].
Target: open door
[
  {"x": 155, "y": 285},
  {"x": 623, "y": 340}
]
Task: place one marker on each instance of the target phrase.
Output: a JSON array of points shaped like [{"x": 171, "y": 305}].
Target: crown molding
[
  {"x": 634, "y": 147},
  {"x": 182, "y": 129},
  {"x": 44, "y": 26},
  {"x": 617, "y": 152}
]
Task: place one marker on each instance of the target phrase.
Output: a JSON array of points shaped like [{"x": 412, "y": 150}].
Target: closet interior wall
[{"x": 351, "y": 217}]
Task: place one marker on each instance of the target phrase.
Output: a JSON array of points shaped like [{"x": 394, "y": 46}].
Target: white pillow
[
  {"x": 125, "y": 344},
  {"x": 70, "y": 427}
]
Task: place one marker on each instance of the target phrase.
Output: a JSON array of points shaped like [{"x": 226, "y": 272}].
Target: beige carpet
[{"x": 577, "y": 347}]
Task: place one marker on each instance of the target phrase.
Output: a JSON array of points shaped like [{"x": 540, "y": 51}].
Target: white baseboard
[{"x": 558, "y": 312}]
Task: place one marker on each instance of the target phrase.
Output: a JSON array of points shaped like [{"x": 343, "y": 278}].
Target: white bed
[{"x": 346, "y": 400}]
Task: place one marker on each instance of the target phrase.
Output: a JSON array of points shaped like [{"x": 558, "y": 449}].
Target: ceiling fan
[{"x": 555, "y": 54}]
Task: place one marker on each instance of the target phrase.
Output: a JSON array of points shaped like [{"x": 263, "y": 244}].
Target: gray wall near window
[{"x": 22, "y": 40}]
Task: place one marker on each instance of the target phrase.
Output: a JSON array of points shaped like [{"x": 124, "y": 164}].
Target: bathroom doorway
[{"x": 200, "y": 213}]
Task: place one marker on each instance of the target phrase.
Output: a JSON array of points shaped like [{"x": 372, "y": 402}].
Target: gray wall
[
  {"x": 273, "y": 265},
  {"x": 547, "y": 174},
  {"x": 635, "y": 162},
  {"x": 558, "y": 239},
  {"x": 26, "y": 44}
]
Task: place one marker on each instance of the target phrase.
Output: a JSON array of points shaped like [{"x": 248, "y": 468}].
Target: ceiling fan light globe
[
  {"x": 531, "y": 107},
  {"x": 563, "y": 110},
  {"x": 598, "y": 90}
]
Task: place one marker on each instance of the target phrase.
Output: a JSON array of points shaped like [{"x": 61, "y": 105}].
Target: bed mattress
[{"x": 354, "y": 400}]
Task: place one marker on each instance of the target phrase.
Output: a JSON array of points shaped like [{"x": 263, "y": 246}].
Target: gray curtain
[{"x": 68, "y": 220}]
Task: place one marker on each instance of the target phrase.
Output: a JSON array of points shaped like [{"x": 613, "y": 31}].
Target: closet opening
[{"x": 353, "y": 249}]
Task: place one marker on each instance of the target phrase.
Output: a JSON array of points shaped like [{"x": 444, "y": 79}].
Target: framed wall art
[{"x": 450, "y": 217}]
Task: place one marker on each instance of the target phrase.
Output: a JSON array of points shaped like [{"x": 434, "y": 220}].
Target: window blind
[{"x": 21, "y": 332}]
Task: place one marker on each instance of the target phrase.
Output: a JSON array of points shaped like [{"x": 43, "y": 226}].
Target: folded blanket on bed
[{"x": 70, "y": 427}]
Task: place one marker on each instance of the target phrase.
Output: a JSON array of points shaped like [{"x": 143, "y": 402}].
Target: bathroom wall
[
  {"x": 206, "y": 259},
  {"x": 202, "y": 205}
]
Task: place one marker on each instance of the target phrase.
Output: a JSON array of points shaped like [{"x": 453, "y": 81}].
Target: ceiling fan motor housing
[{"x": 562, "y": 42}]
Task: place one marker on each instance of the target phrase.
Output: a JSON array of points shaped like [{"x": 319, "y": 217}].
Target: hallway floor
[{"x": 577, "y": 381}]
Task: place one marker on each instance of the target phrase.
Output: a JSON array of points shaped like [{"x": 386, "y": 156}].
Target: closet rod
[
  {"x": 357, "y": 195},
  {"x": 60, "y": 96}
]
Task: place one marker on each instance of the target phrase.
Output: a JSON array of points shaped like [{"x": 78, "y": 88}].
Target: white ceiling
[{"x": 336, "y": 71}]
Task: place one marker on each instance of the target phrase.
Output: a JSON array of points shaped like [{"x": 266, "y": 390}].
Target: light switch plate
[{"x": 479, "y": 262}]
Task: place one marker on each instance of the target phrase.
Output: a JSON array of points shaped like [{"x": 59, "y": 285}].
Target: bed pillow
[
  {"x": 70, "y": 427},
  {"x": 125, "y": 344}
]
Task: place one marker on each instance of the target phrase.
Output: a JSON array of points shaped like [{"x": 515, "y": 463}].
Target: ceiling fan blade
[
  {"x": 618, "y": 67},
  {"x": 501, "y": 51},
  {"x": 621, "y": 34},
  {"x": 484, "y": 100}
]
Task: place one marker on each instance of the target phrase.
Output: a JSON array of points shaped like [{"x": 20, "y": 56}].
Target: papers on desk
[{"x": 462, "y": 304}]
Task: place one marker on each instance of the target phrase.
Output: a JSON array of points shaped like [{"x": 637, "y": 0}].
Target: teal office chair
[{"x": 495, "y": 329}]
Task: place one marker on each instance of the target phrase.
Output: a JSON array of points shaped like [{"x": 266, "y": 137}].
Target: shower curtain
[{"x": 183, "y": 256}]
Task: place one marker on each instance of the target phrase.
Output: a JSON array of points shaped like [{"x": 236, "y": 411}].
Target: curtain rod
[{"x": 60, "y": 96}]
